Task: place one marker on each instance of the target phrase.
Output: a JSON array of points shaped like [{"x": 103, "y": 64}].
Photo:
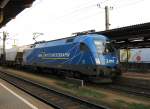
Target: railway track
[
  {"x": 52, "y": 97},
  {"x": 138, "y": 91}
]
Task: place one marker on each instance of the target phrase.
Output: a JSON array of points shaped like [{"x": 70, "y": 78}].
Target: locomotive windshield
[
  {"x": 99, "y": 46},
  {"x": 103, "y": 46}
]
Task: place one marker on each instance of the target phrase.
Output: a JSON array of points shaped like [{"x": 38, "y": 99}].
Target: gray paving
[{"x": 10, "y": 101}]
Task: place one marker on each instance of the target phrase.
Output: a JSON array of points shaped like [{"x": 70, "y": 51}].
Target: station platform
[{"x": 13, "y": 98}]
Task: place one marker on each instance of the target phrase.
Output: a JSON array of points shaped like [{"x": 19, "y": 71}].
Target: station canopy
[
  {"x": 10, "y": 8},
  {"x": 135, "y": 36}
]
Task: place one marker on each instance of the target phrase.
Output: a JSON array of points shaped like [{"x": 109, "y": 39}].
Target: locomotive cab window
[
  {"x": 103, "y": 46},
  {"x": 83, "y": 47},
  {"x": 99, "y": 46}
]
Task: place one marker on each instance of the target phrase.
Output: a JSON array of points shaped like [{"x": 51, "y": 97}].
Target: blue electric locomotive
[{"x": 91, "y": 56}]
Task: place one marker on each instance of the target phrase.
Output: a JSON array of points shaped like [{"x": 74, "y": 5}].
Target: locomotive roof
[
  {"x": 71, "y": 37},
  {"x": 63, "y": 41}
]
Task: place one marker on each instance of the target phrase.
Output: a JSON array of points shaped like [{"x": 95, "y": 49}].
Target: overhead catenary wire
[
  {"x": 80, "y": 19},
  {"x": 76, "y": 17},
  {"x": 75, "y": 13},
  {"x": 79, "y": 9},
  {"x": 86, "y": 17},
  {"x": 128, "y": 4}
]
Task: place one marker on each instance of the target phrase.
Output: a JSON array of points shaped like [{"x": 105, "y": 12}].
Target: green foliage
[
  {"x": 82, "y": 91},
  {"x": 120, "y": 104}
]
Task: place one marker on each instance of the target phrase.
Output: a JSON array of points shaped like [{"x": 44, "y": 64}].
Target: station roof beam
[
  {"x": 134, "y": 36},
  {"x": 10, "y": 8}
]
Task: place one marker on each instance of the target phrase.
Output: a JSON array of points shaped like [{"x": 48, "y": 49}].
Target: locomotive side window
[
  {"x": 83, "y": 47},
  {"x": 109, "y": 47},
  {"x": 70, "y": 40}
]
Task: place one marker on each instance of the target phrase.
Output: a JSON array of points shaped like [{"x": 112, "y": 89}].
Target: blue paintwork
[{"x": 62, "y": 52}]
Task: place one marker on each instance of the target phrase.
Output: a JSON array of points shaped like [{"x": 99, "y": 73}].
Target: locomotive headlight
[
  {"x": 97, "y": 61},
  {"x": 117, "y": 62}
]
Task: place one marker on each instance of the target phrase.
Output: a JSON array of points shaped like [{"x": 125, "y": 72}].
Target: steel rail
[
  {"x": 129, "y": 90},
  {"x": 56, "y": 99}
]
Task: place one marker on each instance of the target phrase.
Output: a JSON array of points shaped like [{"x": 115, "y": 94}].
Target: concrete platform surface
[{"x": 13, "y": 98}]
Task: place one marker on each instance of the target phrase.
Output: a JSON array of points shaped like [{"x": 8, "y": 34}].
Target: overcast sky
[{"x": 60, "y": 18}]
